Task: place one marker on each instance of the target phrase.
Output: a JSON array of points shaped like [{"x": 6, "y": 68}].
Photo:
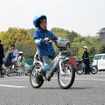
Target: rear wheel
[
  {"x": 94, "y": 70},
  {"x": 36, "y": 81},
  {"x": 66, "y": 79}
]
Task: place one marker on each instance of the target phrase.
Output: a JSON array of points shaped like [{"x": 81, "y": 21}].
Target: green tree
[
  {"x": 21, "y": 39},
  {"x": 102, "y": 48}
]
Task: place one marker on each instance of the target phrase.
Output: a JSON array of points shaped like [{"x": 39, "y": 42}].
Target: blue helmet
[{"x": 37, "y": 18}]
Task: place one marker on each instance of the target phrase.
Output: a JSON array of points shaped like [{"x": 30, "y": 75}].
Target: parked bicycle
[
  {"x": 14, "y": 70},
  {"x": 81, "y": 68}
]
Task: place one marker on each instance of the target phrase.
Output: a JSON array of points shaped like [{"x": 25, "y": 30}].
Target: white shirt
[
  {"x": 15, "y": 53},
  {"x": 19, "y": 59}
]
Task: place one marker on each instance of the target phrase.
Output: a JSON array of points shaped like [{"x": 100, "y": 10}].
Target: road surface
[{"x": 86, "y": 90}]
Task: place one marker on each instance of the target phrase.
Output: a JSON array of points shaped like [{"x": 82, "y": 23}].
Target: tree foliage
[
  {"x": 23, "y": 40},
  {"x": 64, "y": 33}
]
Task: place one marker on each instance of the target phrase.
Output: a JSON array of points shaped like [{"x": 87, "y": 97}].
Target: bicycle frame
[
  {"x": 62, "y": 56},
  {"x": 54, "y": 63},
  {"x": 58, "y": 60}
]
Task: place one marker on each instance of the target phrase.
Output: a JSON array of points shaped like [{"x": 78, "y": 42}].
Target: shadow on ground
[{"x": 72, "y": 88}]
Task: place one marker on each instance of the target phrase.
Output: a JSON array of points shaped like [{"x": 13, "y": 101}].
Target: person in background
[
  {"x": 85, "y": 58},
  {"x": 21, "y": 60},
  {"x": 1, "y": 59},
  {"x": 15, "y": 53},
  {"x": 8, "y": 58}
]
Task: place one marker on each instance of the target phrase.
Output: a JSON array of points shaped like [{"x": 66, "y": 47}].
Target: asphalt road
[{"x": 86, "y": 90}]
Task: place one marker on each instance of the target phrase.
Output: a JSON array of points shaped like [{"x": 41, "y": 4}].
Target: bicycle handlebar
[{"x": 53, "y": 39}]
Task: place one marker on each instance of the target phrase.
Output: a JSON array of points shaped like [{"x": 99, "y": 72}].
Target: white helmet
[
  {"x": 85, "y": 47},
  {"x": 20, "y": 52}
]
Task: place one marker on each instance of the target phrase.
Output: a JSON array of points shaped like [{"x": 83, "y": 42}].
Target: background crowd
[{"x": 12, "y": 57}]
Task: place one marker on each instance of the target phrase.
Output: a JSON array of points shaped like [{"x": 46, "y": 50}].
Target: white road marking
[{"x": 12, "y": 86}]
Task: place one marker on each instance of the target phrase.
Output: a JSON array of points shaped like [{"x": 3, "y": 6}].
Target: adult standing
[
  {"x": 1, "y": 58},
  {"x": 15, "y": 53},
  {"x": 8, "y": 58}
]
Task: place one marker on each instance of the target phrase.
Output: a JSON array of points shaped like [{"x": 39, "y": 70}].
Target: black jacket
[
  {"x": 1, "y": 53},
  {"x": 85, "y": 57}
]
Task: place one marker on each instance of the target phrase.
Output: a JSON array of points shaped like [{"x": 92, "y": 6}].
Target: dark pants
[
  {"x": 87, "y": 69},
  {"x": 1, "y": 69}
]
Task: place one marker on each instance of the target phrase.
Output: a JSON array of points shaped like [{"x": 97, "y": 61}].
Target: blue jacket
[{"x": 44, "y": 48}]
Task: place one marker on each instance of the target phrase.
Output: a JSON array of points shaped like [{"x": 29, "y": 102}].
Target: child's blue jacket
[{"x": 44, "y": 48}]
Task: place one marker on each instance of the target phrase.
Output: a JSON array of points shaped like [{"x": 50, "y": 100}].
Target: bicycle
[
  {"x": 61, "y": 64},
  {"x": 81, "y": 68}
]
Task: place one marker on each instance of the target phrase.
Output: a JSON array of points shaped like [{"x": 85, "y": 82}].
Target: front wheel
[
  {"x": 66, "y": 79},
  {"x": 36, "y": 81},
  {"x": 94, "y": 70},
  {"x": 80, "y": 71}
]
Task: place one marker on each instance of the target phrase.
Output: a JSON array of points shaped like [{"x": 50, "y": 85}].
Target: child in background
[
  {"x": 21, "y": 60},
  {"x": 85, "y": 58}
]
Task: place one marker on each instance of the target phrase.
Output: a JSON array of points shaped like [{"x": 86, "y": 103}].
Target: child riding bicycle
[{"x": 41, "y": 38}]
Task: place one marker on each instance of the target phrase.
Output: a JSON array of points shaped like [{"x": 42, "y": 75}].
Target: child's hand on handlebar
[{"x": 46, "y": 39}]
